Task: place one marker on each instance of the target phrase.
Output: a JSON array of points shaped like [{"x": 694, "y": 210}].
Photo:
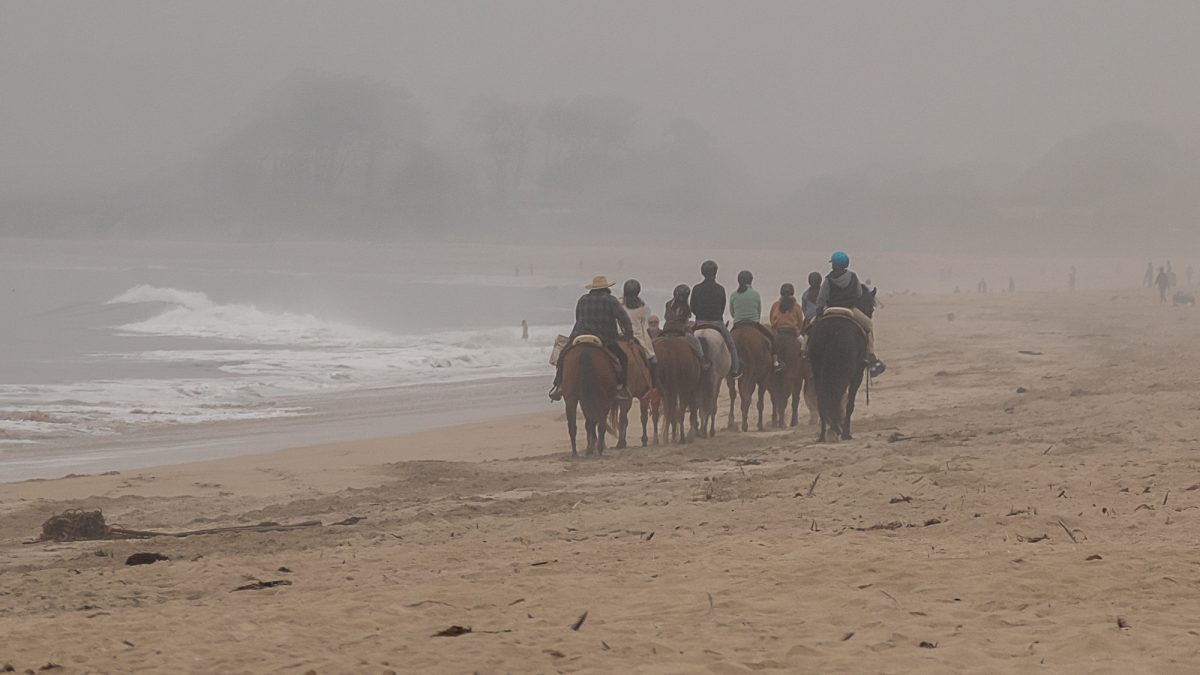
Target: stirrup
[{"x": 877, "y": 368}]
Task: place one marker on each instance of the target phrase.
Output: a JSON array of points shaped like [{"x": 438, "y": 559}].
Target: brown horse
[
  {"x": 678, "y": 381},
  {"x": 639, "y": 388},
  {"x": 758, "y": 364},
  {"x": 787, "y": 385},
  {"x": 589, "y": 380}
]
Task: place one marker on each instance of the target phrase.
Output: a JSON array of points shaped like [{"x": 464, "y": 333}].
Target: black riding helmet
[{"x": 708, "y": 269}]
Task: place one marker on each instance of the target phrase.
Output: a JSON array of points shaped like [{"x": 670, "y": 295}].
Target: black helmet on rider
[{"x": 708, "y": 269}]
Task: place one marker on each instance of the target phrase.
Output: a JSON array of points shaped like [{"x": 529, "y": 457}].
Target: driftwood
[{"x": 80, "y": 525}]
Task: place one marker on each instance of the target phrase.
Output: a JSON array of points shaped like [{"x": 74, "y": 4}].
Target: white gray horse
[{"x": 716, "y": 354}]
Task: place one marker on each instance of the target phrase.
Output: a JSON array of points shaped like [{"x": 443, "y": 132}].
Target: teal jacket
[{"x": 745, "y": 306}]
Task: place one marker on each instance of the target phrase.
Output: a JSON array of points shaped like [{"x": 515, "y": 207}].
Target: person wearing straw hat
[{"x": 599, "y": 313}]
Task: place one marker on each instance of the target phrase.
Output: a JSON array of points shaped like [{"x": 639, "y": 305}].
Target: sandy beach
[{"x": 1022, "y": 493}]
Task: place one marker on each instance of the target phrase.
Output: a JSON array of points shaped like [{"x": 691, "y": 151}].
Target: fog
[{"x": 963, "y": 127}]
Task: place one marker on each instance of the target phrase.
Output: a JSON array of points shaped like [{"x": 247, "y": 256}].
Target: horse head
[{"x": 866, "y": 303}]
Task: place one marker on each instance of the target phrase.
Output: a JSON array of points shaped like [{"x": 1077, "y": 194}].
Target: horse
[
  {"x": 718, "y": 358},
  {"x": 639, "y": 388},
  {"x": 758, "y": 364},
  {"x": 787, "y": 385},
  {"x": 837, "y": 350},
  {"x": 589, "y": 381},
  {"x": 678, "y": 380}
]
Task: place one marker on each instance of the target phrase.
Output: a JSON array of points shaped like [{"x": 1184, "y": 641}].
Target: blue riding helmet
[{"x": 840, "y": 260}]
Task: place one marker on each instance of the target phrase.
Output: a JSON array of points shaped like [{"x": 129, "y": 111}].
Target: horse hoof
[{"x": 621, "y": 445}]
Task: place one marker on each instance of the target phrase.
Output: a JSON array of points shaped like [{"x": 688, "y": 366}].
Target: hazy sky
[{"x": 96, "y": 91}]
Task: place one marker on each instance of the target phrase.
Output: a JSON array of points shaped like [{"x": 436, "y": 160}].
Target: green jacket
[{"x": 745, "y": 306}]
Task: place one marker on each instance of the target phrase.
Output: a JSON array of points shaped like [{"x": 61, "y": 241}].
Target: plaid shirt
[{"x": 599, "y": 313}]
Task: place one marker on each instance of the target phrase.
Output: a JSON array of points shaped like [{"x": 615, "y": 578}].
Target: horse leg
[
  {"x": 762, "y": 391},
  {"x": 622, "y": 423},
  {"x": 853, "y": 394},
  {"x": 795, "y": 406},
  {"x": 645, "y": 410},
  {"x": 572, "y": 409},
  {"x": 810, "y": 400},
  {"x": 601, "y": 429},
  {"x": 590, "y": 425},
  {"x": 747, "y": 394},
  {"x": 732, "y": 401}
]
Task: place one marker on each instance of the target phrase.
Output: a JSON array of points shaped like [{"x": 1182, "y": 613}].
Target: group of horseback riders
[{"x": 600, "y": 314}]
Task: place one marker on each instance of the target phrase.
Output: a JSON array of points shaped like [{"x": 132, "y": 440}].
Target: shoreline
[
  {"x": 1019, "y": 495},
  {"x": 344, "y": 417}
]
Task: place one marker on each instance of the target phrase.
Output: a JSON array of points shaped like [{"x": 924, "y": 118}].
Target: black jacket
[{"x": 708, "y": 301}]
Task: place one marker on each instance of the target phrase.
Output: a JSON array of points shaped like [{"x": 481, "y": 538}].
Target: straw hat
[{"x": 599, "y": 282}]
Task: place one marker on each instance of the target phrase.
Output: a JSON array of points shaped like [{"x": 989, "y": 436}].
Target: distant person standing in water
[
  {"x": 1012, "y": 285},
  {"x": 1071, "y": 278},
  {"x": 1163, "y": 282},
  {"x": 524, "y": 329}
]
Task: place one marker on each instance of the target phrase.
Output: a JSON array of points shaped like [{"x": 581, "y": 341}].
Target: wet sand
[{"x": 967, "y": 528}]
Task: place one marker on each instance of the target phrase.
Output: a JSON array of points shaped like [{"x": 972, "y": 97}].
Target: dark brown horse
[
  {"x": 589, "y": 380},
  {"x": 837, "y": 349},
  {"x": 754, "y": 350},
  {"x": 796, "y": 377},
  {"x": 639, "y": 388},
  {"x": 678, "y": 380}
]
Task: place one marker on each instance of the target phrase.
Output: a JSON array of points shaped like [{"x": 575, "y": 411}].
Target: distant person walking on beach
[
  {"x": 1148, "y": 280},
  {"x": 1071, "y": 278},
  {"x": 1012, "y": 285},
  {"x": 1163, "y": 282},
  {"x": 524, "y": 329}
]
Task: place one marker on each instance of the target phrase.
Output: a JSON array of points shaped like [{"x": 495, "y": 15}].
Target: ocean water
[{"x": 118, "y": 342}]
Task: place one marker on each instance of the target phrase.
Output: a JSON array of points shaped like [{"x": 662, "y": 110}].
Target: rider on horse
[
  {"x": 708, "y": 303},
  {"x": 637, "y": 311},
  {"x": 678, "y": 313},
  {"x": 841, "y": 288},
  {"x": 808, "y": 300},
  {"x": 786, "y": 316},
  {"x": 745, "y": 306},
  {"x": 599, "y": 313}
]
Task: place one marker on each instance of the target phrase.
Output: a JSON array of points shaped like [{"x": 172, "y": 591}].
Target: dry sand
[{"x": 746, "y": 553}]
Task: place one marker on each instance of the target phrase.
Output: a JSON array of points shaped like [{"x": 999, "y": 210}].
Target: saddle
[
  {"x": 586, "y": 340},
  {"x": 842, "y": 313}
]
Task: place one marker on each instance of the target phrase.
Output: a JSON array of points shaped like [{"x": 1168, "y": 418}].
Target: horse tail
[{"x": 587, "y": 392}]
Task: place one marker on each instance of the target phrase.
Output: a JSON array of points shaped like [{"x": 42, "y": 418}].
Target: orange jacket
[{"x": 792, "y": 319}]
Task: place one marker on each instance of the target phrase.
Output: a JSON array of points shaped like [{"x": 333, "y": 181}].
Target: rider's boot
[
  {"x": 556, "y": 393},
  {"x": 623, "y": 393},
  {"x": 877, "y": 367}
]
